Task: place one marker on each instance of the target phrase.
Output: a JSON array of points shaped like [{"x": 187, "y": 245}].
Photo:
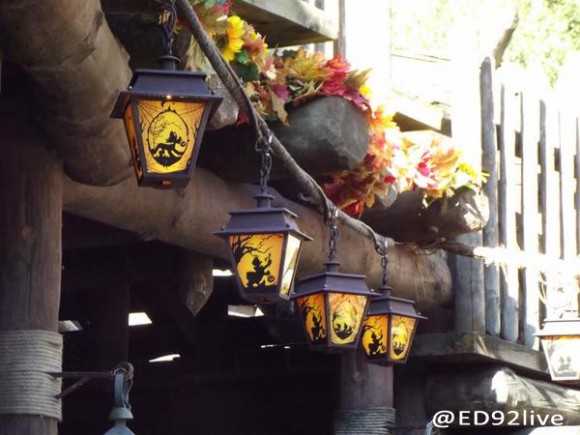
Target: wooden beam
[
  {"x": 452, "y": 348},
  {"x": 77, "y": 67},
  {"x": 502, "y": 389},
  {"x": 30, "y": 248},
  {"x": 189, "y": 217},
  {"x": 287, "y": 22}
]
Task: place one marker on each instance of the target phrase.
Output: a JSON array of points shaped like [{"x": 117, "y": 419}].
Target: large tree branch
[{"x": 189, "y": 217}]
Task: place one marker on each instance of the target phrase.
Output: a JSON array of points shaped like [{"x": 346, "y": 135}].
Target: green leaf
[
  {"x": 243, "y": 57},
  {"x": 247, "y": 73}
]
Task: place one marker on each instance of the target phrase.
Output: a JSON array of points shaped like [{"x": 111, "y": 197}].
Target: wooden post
[
  {"x": 366, "y": 392},
  {"x": 466, "y": 128},
  {"x": 549, "y": 196},
  {"x": 489, "y": 165},
  {"x": 507, "y": 215},
  {"x": 30, "y": 249},
  {"x": 530, "y": 115}
]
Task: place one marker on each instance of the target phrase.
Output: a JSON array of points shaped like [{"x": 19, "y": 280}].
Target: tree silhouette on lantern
[
  {"x": 259, "y": 271},
  {"x": 317, "y": 330}
]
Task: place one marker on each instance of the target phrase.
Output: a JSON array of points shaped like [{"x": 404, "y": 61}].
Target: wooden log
[
  {"x": 364, "y": 385},
  {"x": 409, "y": 220},
  {"x": 77, "y": 68},
  {"x": 30, "y": 248},
  {"x": 500, "y": 389},
  {"x": 366, "y": 397},
  {"x": 489, "y": 165},
  {"x": 189, "y": 217},
  {"x": 195, "y": 281},
  {"x": 324, "y": 135}
]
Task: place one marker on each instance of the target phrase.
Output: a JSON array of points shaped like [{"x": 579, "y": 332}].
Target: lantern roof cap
[
  {"x": 387, "y": 304},
  {"x": 332, "y": 281},
  {"x": 262, "y": 220},
  {"x": 159, "y": 83}
]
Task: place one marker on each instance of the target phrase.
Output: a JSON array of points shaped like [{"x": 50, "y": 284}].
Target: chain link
[
  {"x": 263, "y": 147},
  {"x": 167, "y": 21}
]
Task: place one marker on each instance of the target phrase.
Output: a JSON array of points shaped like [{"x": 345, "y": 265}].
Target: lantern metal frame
[
  {"x": 560, "y": 340},
  {"x": 383, "y": 304},
  {"x": 164, "y": 86},
  {"x": 329, "y": 282},
  {"x": 264, "y": 220}
]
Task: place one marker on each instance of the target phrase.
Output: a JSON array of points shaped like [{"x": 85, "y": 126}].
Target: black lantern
[
  {"x": 121, "y": 413},
  {"x": 561, "y": 342},
  {"x": 332, "y": 305},
  {"x": 390, "y": 324},
  {"x": 165, "y": 113},
  {"x": 264, "y": 244}
]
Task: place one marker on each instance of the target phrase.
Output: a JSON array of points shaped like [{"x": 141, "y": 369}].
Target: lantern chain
[
  {"x": 381, "y": 247},
  {"x": 330, "y": 221},
  {"x": 167, "y": 20},
  {"x": 263, "y": 147}
]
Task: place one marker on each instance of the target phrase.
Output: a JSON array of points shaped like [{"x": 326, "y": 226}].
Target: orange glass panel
[
  {"x": 313, "y": 313},
  {"x": 374, "y": 336},
  {"x": 169, "y": 131},
  {"x": 401, "y": 335},
  {"x": 346, "y": 314},
  {"x": 289, "y": 270},
  {"x": 132, "y": 138},
  {"x": 257, "y": 258}
]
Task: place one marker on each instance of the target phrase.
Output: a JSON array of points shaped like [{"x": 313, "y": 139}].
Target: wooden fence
[{"x": 531, "y": 151}]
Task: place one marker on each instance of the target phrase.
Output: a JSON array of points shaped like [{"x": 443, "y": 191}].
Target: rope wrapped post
[
  {"x": 30, "y": 270},
  {"x": 366, "y": 398}
]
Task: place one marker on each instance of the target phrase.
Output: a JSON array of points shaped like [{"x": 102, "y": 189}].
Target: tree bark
[
  {"x": 189, "y": 217},
  {"x": 77, "y": 67},
  {"x": 30, "y": 248}
]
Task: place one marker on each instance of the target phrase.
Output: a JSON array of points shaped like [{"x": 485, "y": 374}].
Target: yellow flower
[{"x": 234, "y": 32}]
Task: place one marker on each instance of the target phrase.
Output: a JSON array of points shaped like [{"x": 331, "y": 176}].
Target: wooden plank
[
  {"x": 490, "y": 235},
  {"x": 577, "y": 199},
  {"x": 507, "y": 215},
  {"x": 493, "y": 389},
  {"x": 568, "y": 288},
  {"x": 459, "y": 349},
  {"x": 530, "y": 309},
  {"x": 568, "y": 214},
  {"x": 30, "y": 248},
  {"x": 287, "y": 22},
  {"x": 549, "y": 192}
]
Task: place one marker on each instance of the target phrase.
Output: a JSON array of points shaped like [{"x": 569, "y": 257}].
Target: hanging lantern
[
  {"x": 121, "y": 413},
  {"x": 165, "y": 113},
  {"x": 332, "y": 304},
  {"x": 264, "y": 245},
  {"x": 390, "y": 324},
  {"x": 389, "y": 328},
  {"x": 561, "y": 342}
]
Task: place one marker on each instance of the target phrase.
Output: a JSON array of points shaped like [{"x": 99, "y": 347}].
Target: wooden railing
[{"x": 531, "y": 150}]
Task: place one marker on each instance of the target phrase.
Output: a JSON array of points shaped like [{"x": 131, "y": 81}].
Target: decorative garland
[{"x": 278, "y": 80}]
